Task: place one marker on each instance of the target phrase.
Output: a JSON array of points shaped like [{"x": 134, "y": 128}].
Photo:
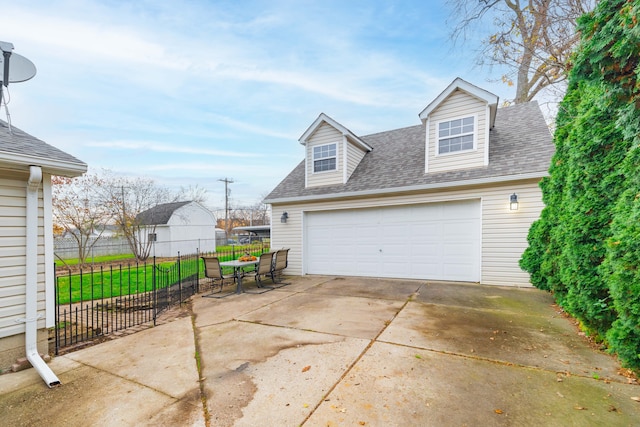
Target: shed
[{"x": 179, "y": 228}]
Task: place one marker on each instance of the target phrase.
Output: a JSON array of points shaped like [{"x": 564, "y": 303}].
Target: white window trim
[
  {"x": 436, "y": 131},
  {"x": 313, "y": 158}
]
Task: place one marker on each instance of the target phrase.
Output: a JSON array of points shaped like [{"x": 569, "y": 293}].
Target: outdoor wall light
[
  {"x": 284, "y": 217},
  {"x": 513, "y": 202}
]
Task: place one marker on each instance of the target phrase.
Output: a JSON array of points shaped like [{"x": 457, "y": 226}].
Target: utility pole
[{"x": 226, "y": 181}]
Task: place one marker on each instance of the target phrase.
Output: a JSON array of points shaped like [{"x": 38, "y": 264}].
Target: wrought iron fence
[{"x": 97, "y": 301}]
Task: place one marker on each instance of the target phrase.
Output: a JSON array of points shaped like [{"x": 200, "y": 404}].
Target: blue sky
[{"x": 189, "y": 92}]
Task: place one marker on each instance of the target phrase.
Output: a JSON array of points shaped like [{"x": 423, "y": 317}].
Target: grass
[
  {"x": 108, "y": 282},
  {"x": 104, "y": 258},
  {"x": 105, "y": 283}
]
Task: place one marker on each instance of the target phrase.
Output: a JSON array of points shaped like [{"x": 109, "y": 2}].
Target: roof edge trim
[
  {"x": 386, "y": 191},
  {"x": 465, "y": 86},
  {"x": 323, "y": 118},
  {"x": 55, "y": 167}
]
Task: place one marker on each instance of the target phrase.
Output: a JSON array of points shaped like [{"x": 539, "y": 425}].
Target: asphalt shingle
[
  {"x": 160, "y": 214},
  {"x": 520, "y": 143},
  {"x": 19, "y": 142}
]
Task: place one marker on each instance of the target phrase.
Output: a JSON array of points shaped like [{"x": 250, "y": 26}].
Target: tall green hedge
[{"x": 585, "y": 248}]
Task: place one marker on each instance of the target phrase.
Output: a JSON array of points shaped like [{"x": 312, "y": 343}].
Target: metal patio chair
[
  {"x": 280, "y": 263},
  {"x": 213, "y": 271},
  {"x": 263, "y": 268}
]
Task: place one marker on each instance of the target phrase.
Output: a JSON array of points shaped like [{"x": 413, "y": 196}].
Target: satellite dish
[
  {"x": 15, "y": 69},
  {"x": 20, "y": 68}
]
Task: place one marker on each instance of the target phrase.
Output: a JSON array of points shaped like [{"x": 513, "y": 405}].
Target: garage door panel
[
  {"x": 460, "y": 228},
  {"x": 462, "y": 210},
  {"x": 419, "y": 249},
  {"x": 364, "y": 268},
  {"x": 453, "y": 250},
  {"x": 458, "y": 271},
  {"x": 438, "y": 241}
]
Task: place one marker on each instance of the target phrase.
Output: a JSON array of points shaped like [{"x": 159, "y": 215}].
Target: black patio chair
[{"x": 213, "y": 271}]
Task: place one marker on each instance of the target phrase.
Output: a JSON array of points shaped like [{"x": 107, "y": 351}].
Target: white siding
[
  {"x": 354, "y": 156},
  {"x": 504, "y": 232},
  {"x": 13, "y": 255},
  {"x": 325, "y": 134},
  {"x": 458, "y": 105}
]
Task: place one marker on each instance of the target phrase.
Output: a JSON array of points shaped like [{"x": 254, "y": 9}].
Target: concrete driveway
[{"x": 333, "y": 351}]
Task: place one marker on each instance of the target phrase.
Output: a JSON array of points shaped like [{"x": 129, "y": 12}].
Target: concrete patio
[{"x": 334, "y": 351}]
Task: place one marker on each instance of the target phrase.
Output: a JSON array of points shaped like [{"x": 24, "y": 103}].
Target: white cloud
[{"x": 166, "y": 148}]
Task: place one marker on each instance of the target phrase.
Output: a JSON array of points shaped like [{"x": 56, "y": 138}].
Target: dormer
[
  {"x": 457, "y": 125},
  {"x": 332, "y": 152}
]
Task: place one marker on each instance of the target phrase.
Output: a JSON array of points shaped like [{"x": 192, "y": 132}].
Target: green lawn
[
  {"x": 105, "y": 283},
  {"x": 105, "y": 258},
  {"x": 127, "y": 279}
]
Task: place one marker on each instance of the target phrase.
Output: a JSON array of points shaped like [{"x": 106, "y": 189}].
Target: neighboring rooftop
[{"x": 160, "y": 214}]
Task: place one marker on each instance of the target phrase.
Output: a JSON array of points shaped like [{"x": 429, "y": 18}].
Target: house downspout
[{"x": 31, "y": 321}]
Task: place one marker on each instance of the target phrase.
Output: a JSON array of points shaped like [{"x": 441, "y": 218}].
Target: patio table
[{"x": 237, "y": 271}]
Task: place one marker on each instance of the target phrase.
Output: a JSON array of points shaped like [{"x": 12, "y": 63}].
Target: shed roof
[{"x": 159, "y": 214}]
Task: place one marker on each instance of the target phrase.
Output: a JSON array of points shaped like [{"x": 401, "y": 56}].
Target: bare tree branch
[{"x": 534, "y": 39}]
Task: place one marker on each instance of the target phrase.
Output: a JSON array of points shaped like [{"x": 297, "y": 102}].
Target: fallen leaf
[
  {"x": 306, "y": 368},
  {"x": 362, "y": 423},
  {"x": 580, "y": 408},
  {"x": 498, "y": 411},
  {"x": 636, "y": 398},
  {"x": 559, "y": 394},
  {"x": 306, "y": 405}
]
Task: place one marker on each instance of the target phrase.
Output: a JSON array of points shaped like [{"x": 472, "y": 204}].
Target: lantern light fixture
[{"x": 513, "y": 202}]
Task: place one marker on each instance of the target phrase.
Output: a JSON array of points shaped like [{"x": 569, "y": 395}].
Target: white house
[
  {"x": 26, "y": 245},
  {"x": 180, "y": 227},
  {"x": 451, "y": 198}
]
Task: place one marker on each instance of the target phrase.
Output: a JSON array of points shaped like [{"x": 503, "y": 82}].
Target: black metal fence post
[
  {"x": 179, "y": 278},
  {"x": 153, "y": 292}
]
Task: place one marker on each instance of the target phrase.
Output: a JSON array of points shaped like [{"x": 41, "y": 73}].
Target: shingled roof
[
  {"x": 521, "y": 146},
  {"x": 20, "y": 150},
  {"x": 160, "y": 214}
]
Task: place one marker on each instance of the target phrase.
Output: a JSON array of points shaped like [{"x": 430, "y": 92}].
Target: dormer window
[
  {"x": 456, "y": 135},
  {"x": 324, "y": 158}
]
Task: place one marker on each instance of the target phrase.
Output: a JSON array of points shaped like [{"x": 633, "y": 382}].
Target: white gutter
[
  {"x": 55, "y": 167},
  {"x": 31, "y": 321}
]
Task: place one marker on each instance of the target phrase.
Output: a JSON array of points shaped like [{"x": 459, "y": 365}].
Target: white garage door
[{"x": 438, "y": 241}]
